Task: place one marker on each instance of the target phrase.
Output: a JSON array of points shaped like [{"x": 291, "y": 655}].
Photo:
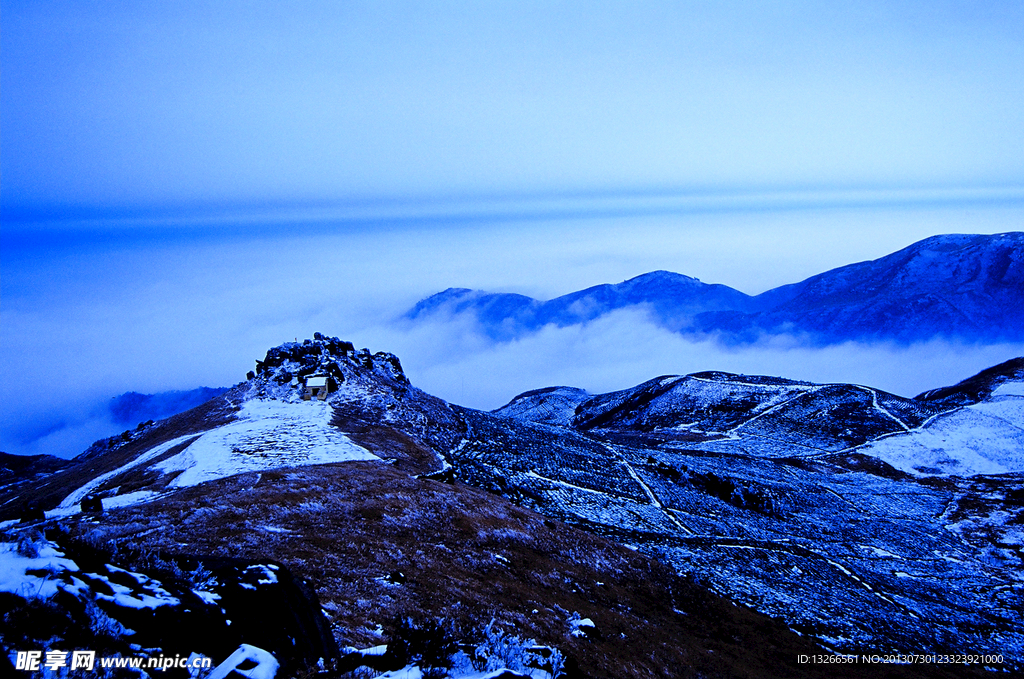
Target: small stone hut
[{"x": 316, "y": 387}]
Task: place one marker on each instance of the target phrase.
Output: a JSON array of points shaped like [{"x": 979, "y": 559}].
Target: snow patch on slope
[
  {"x": 29, "y": 576},
  {"x": 77, "y": 496},
  {"x": 41, "y": 576},
  {"x": 267, "y": 434},
  {"x": 983, "y": 438}
]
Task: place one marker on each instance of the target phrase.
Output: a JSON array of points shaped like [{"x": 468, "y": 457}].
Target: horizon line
[{"x": 503, "y": 207}]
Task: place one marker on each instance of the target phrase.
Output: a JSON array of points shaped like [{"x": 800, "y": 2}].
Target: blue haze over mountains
[
  {"x": 967, "y": 287},
  {"x": 131, "y": 408}
]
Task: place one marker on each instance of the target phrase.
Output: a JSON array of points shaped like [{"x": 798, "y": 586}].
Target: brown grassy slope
[
  {"x": 471, "y": 556},
  {"x": 48, "y": 492}
]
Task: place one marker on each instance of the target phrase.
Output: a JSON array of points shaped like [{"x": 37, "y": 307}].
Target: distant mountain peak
[
  {"x": 672, "y": 297},
  {"x": 662, "y": 275},
  {"x": 964, "y": 286}
]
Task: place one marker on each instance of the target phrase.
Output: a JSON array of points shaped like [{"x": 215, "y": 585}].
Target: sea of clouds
[{"x": 88, "y": 315}]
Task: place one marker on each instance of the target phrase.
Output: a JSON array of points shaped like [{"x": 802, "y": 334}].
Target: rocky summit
[{"x": 693, "y": 525}]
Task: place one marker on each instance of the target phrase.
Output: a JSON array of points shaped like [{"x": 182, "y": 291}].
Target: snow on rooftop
[{"x": 316, "y": 381}]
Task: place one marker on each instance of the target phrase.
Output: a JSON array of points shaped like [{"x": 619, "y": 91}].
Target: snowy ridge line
[
  {"x": 880, "y": 408},
  {"x": 753, "y": 386}
]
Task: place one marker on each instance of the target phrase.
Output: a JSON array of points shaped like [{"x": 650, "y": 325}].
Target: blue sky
[
  {"x": 186, "y": 184},
  {"x": 116, "y": 106}
]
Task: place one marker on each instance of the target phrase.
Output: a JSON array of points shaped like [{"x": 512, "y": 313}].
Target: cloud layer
[
  {"x": 87, "y": 318},
  {"x": 619, "y": 350},
  {"x": 529, "y": 147}
]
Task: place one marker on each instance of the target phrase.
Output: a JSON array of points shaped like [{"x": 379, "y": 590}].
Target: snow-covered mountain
[
  {"x": 862, "y": 520},
  {"x": 976, "y": 427},
  {"x": 778, "y": 492},
  {"x": 964, "y": 286},
  {"x": 260, "y": 424},
  {"x": 673, "y": 298}
]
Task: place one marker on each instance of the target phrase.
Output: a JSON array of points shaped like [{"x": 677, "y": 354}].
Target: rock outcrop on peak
[
  {"x": 258, "y": 424},
  {"x": 326, "y": 356}
]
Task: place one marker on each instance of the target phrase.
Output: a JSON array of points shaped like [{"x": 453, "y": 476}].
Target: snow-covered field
[
  {"x": 268, "y": 433},
  {"x": 984, "y": 438}
]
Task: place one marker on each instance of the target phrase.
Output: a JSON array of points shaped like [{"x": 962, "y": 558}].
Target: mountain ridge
[
  {"x": 767, "y": 491},
  {"x": 955, "y": 286}
]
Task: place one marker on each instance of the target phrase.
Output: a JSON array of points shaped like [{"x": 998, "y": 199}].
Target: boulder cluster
[{"x": 322, "y": 356}]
